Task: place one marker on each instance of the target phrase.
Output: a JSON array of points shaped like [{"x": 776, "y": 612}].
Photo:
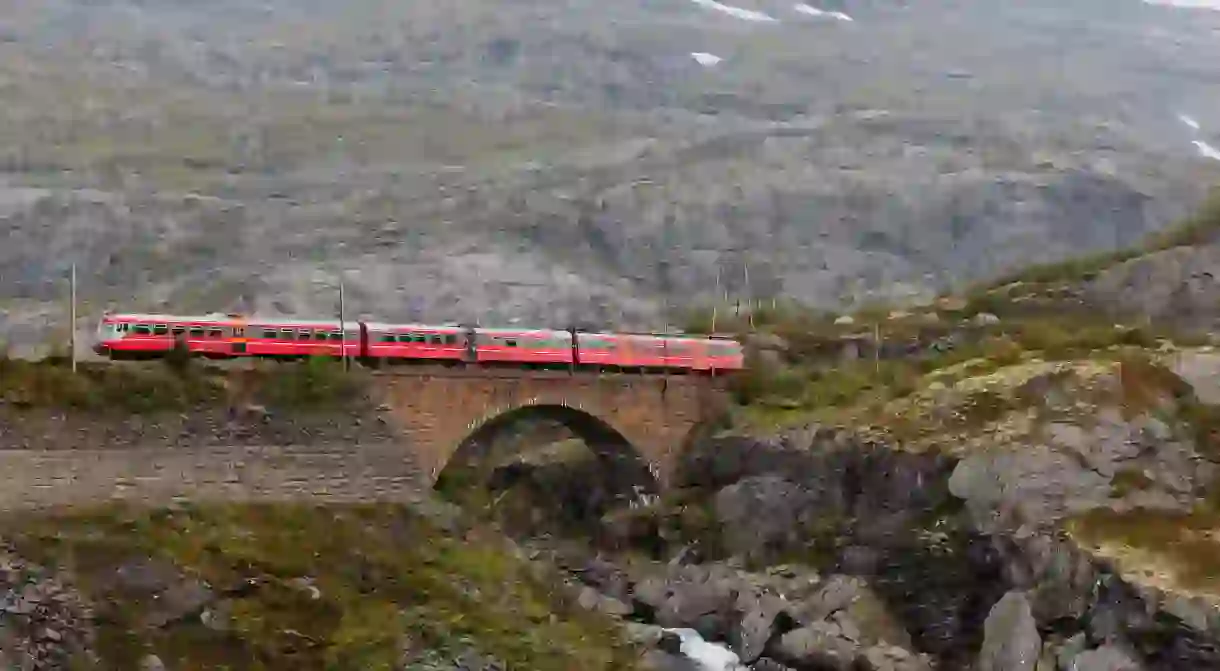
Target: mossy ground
[
  {"x": 392, "y": 586},
  {"x": 1180, "y": 551}
]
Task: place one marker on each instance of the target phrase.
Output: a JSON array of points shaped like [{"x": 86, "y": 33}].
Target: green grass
[
  {"x": 391, "y": 586},
  {"x": 162, "y": 386}
]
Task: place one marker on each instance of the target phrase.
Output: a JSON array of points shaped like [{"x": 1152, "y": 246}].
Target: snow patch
[
  {"x": 1187, "y": 4},
  {"x": 1189, "y": 121},
  {"x": 704, "y": 58},
  {"x": 810, "y": 10},
  {"x": 737, "y": 12},
  {"x": 1206, "y": 150}
]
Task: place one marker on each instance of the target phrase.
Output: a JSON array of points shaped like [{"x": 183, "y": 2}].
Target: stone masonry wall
[{"x": 333, "y": 473}]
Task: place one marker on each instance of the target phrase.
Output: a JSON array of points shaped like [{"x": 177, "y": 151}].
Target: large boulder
[
  {"x": 762, "y": 515},
  {"x": 1011, "y": 641}
]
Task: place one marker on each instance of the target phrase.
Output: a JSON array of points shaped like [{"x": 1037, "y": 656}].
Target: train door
[
  {"x": 239, "y": 340},
  {"x": 472, "y": 347}
]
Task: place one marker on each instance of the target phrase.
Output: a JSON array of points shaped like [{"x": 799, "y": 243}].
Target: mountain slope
[{"x": 546, "y": 161}]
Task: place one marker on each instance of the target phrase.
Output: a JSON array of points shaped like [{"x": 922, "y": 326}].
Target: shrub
[{"x": 316, "y": 381}]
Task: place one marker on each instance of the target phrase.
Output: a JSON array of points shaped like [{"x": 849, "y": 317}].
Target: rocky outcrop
[
  {"x": 781, "y": 619},
  {"x": 941, "y": 541}
]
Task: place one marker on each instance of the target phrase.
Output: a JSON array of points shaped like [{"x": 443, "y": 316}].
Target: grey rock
[
  {"x": 645, "y": 634},
  {"x": 819, "y": 645},
  {"x": 1105, "y": 658},
  {"x": 152, "y": 663},
  {"x": 658, "y": 660},
  {"x": 836, "y": 593},
  {"x": 1069, "y": 650},
  {"x": 748, "y": 635},
  {"x": 893, "y": 658},
  {"x": 1011, "y": 641},
  {"x": 759, "y": 513},
  {"x": 591, "y": 599}
]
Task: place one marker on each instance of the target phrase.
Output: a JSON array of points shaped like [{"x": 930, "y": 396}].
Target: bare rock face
[
  {"x": 1011, "y": 641},
  {"x": 760, "y": 513}
]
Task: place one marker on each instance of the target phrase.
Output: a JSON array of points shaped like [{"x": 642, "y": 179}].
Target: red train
[{"x": 136, "y": 336}]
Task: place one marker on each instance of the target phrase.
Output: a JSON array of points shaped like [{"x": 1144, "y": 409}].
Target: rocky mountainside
[{"x": 549, "y": 160}]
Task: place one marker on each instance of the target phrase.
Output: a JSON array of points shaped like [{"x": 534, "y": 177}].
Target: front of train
[{"x": 109, "y": 331}]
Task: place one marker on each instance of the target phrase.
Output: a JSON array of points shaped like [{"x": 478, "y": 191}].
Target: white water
[
  {"x": 708, "y": 656},
  {"x": 736, "y": 12},
  {"x": 814, "y": 11}
]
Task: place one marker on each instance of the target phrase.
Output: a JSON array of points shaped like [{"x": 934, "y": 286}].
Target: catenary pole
[
  {"x": 343, "y": 327},
  {"x": 72, "y": 317}
]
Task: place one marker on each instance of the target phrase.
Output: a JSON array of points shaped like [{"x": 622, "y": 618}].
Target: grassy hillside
[{"x": 300, "y": 588}]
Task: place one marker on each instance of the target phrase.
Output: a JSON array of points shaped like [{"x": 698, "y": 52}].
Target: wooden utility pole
[
  {"x": 877, "y": 347},
  {"x": 72, "y": 317}
]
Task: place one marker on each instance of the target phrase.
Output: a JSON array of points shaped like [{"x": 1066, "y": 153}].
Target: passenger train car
[{"x": 139, "y": 336}]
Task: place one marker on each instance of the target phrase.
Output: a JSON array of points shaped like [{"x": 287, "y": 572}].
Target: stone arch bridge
[{"x": 648, "y": 417}]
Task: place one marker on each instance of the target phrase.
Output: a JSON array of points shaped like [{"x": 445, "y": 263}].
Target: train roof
[
  {"x": 527, "y": 331},
  {"x": 414, "y": 327},
  {"x": 152, "y": 317},
  {"x": 277, "y": 321}
]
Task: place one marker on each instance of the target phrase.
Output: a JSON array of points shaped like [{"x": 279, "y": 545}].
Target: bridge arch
[
  {"x": 626, "y": 419},
  {"x": 620, "y": 460}
]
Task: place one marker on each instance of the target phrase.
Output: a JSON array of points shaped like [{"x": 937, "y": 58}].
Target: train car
[
  {"x": 656, "y": 352},
  {"x": 296, "y": 338},
  {"x": 398, "y": 343},
  {"x": 140, "y": 336},
  {"x": 724, "y": 354},
  {"x": 525, "y": 347}
]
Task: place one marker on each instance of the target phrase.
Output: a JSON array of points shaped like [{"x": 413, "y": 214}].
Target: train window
[
  {"x": 215, "y": 333},
  {"x": 389, "y": 337},
  {"x": 510, "y": 342},
  {"x": 451, "y": 339},
  {"x": 270, "y": 333},
  {"x": 286, "y": 334},
  {"x": 143, "y": 329},
  {"x": 177, "y": 330},
  {"x": 437, "y": 340},
  {"x": 196, "y": 333},
  {"x": 336, "y": 336},
  {"x": 160, "y": 329},
  {"x": 305, "y": 335}
]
